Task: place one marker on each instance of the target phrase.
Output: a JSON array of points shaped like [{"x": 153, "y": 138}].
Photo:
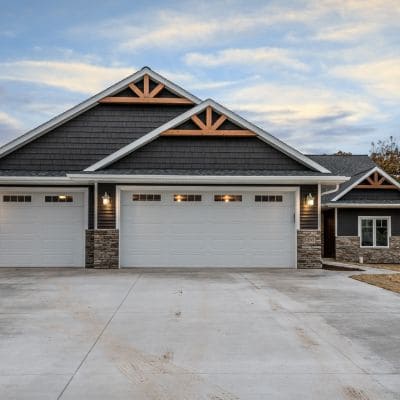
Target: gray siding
[
  {"x": 347, "y": 223},
  {"x": 106, "y": 215},
  {"x": 90, "y": 137},
  {"x": 308, "y": 215},
  {"x": 371, "y": 195},
  {"x": 208, "y": 153}
]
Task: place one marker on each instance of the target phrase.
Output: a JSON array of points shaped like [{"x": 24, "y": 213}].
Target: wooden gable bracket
[
  {"x": 376, "y": 182},
  {"x": 146, "y": 95},
  {"x": 209, "y": 128}
]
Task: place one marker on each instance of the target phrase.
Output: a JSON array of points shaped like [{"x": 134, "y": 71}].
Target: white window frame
[{"x": 374, "y": 218}]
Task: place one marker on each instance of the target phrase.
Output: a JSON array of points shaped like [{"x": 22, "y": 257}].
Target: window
[
  {"x": 17, "y": 199},
  {"x": 374, "y": 231},
  {"x": 62, "y": 198},
  {"x": 267, "y": 198},
  {"x": 146, "y": 197},
  {"x": 187, "y": 197},
  {"x": 228, "y": 198}
]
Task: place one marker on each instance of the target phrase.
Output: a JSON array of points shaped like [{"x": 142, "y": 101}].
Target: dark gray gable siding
[
  {"x": 208, "y": 153},
  {"x": 371, "y": 195},
  {"x": 90, "y": 137},
  {"x": 347, "y": 219}
]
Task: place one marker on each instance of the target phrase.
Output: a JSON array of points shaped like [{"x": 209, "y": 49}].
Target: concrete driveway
[{"x": 218, "y": 335}]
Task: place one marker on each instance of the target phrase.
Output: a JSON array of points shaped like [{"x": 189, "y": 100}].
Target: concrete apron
[{"x": 96, "y": 334}]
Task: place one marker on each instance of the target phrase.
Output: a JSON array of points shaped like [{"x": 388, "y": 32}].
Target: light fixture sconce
[
  {"x": 106, "y": 199},
  {"x": 310, "y": 200}
]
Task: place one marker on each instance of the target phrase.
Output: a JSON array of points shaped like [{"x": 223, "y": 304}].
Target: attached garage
[
  {"x": 213, "y": 228},
  {"x": 42, "y": 228}
]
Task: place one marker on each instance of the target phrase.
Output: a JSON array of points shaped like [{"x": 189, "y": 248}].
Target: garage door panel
[
  {"x": 207, "y": 233},
  {"x": 42, "y": 234}
]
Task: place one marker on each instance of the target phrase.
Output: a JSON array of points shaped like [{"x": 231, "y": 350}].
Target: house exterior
[{"x": 145, "y": 174}]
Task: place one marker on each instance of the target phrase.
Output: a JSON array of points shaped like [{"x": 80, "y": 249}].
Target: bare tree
[{"x": 386, "y": 154}]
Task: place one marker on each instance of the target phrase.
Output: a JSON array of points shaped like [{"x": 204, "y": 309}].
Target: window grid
[
  {"x": 187, "y": 197},
  {"x": 268, "y": 198},
  {"x": 59, "y": 199},
  {"x": 17, "y": 199},
  {"x": 146, "y": 197}
]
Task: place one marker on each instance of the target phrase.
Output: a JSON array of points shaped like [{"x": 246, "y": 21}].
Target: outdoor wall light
[
  {"x": 106, "y": 199},
  {"x": 310, "y": 200},
  {"x": 62, "y": 197}
]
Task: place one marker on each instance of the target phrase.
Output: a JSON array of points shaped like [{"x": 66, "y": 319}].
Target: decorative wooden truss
[
  {"x": 145, "y": 95},
  {"x": 209, "y": 127},
  {"x": 375, "y": 181}
]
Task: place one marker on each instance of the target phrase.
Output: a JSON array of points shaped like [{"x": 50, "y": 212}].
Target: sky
[{"x": 322, "y": 75}]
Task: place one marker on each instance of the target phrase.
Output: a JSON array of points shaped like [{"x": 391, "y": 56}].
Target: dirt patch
[
  {"x": 391, "y": 267},
  {"x": 385, "y": 281}
]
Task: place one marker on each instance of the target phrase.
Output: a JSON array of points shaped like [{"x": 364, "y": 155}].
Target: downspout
[{"x": 332, "y": 190}]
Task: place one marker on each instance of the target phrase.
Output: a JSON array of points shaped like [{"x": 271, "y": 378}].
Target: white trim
[
  {"x": 294, "y": 189},
  {"x": 208, "y": 179},
  {"x": 96, "y": 207},
  {"x": 90, "y": 103},
  {"x": 361, "y": 205},
  {"x": 266, "y": 137},
  {"x": 374, "y": 218},
  {"x": 319, "y": 207},
  {"x": 35, "y": 179},
  {"x": 336, "y": 216},
  {"x": 369, "y": 173}
]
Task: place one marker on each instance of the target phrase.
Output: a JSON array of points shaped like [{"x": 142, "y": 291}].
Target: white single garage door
[
  {"x": 207, "y": 229},
  {"x": 42, "y": 229}
]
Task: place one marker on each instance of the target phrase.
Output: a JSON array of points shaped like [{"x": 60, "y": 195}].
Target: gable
[
  {"x": 208, "y": 153},
  {"x": 211, "y": 120},
  {"x": 89, "y": 137}
]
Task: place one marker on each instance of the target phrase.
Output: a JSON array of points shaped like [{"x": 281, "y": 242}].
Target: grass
[{"x": 385, "y": 281}]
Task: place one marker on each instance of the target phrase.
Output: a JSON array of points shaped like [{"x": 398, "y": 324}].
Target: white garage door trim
[
  {"x": 294, "y": 189},
  {"x": 55, "y": 190}
]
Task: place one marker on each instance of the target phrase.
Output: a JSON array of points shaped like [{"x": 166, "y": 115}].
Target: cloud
[
  {"x": 311, "y": 118},
  {"x": 9, "y": 128},
  {"x": 261, "y": 56},
  {"x": 346, "y": 33},
  {"x": 382, "y": 78},
  {"x": 72, "y": 76}
]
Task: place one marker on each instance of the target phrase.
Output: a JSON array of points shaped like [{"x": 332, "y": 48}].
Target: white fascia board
[
  {"x": 361, "y": 205},
  {"x": 358, "y": 181},
  {"x": 266, "y": 137},
  {"x": 90, "y": 103},
  {"x": 34, "y": 180},
  {"x": 213, "y": 179}
]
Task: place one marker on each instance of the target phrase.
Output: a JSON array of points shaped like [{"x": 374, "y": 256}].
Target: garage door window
[
  {"x": 62, "y": 198},
  {"x": 268, "y": 198},
  {"x": 187, "y": 197},
  {"x": 228, "y": 198},
  {"x": 146, "y": 197},
  {"x": 17, "y": 199}
]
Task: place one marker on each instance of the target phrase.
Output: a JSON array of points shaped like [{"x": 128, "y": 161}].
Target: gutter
[{"x": 360, "y": 205}]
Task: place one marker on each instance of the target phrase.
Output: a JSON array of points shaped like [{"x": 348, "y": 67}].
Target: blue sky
[{"x": 320, "y": 75}]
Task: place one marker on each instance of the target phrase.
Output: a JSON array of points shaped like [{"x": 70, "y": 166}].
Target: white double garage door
[
  {"x": 158, "y": 228},
  {"x": 224, "y": 228}
]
